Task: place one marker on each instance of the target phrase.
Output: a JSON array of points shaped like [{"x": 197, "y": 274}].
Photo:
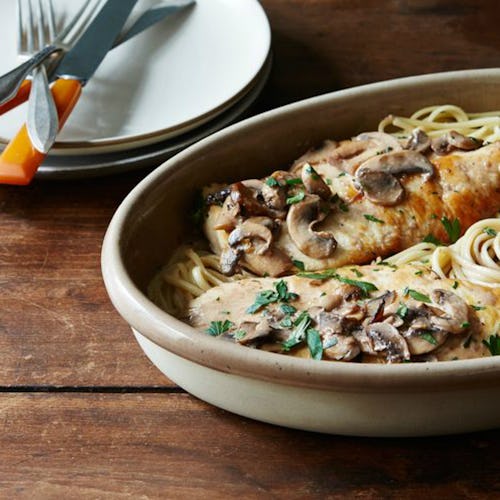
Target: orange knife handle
[
  {"x": 21, "y": 96},
  {"x": 20, "y": 160}
]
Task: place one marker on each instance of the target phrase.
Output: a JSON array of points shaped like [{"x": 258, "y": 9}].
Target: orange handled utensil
[{"x": 20, "y": 160}]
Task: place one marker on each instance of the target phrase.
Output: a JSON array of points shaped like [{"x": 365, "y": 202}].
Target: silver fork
[{"x": 11, "y": 81}]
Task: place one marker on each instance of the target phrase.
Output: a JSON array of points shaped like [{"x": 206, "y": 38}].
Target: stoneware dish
[{"x": 334, "y": 397}]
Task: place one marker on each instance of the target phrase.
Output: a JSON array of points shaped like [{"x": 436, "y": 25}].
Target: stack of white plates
[{"x": 185, "y": 78}]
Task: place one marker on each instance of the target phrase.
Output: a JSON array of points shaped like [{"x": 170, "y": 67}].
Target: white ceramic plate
[
  {"x": 168, "y": 80},
  {"x": 76, "y": 167}
]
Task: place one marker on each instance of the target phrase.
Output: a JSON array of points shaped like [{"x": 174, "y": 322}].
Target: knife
[{"x": 20, "y": 160}]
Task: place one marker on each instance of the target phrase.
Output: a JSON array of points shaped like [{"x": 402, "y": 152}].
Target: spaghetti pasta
[{"x": 437, "y": 120}]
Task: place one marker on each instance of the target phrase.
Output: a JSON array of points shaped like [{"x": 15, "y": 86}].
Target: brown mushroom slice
[
  {"x": 300, "y": 222},
  {"x": 314, "y": 184},
  {"x": 383, "y": 339},
  {"x": 456, "y": 312},
  {"x": 387, "y": 142},
  {"x": 419, "y": 141},
  {"x": 340, "y": 348},
  {"x": 253, "y": 234},
  {"x": 229, "y": 259},
  {"x": 377, "y": 176},
  {"x": 228, "y": 216},
  {"x": 274, "y": 262},
  {"x": 453, "y": 140},
  {"x": 253, "y": 331},
  {"x": 424, "y": 341}
]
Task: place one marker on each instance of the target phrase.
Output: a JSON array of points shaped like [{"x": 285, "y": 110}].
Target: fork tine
[
  {"x": 20, "y": 29},
  {"x": 41, "y": 25},
  {"x": 30, "y": 44},
  {"x": 51, "y": 21},
  {"x": 79, "y": 18}
]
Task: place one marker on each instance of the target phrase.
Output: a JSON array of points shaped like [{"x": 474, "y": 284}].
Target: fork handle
[
  {"x": 21, "y": 96},
  {"x": 19, "y": 161}
]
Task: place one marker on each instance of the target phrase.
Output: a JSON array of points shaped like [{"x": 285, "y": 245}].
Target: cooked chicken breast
[
  {"x": 350, "y": 202},
  {"x": 375, "y": 313}
]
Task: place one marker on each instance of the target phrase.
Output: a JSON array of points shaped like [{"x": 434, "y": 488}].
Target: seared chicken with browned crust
[
  {"x": 376, "y": 313},
  {"x": 353, "y": 201}
]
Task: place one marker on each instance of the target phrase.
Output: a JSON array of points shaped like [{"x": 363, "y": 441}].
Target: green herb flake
[
  {"x": 465, "y": 324},
  {"x": 280, "y": 294},
  {"x": 452, "y": 228},
  {"x": 430, "y": 238},
  {"x": 455, "y": 285},
  {"x": 493, "y": 344},
  {"x": 489, "y": 231},
  {"x": 419, "y": 272},
  {"x": 272, "y": 182},
  {"x": 357, "y": 273},
  {"x": 296, "y": 198},
  {"x": 328, "y": 181},
  {"x": 217, "y": 328},
  {"x": 417, "y": 296},
  {"x": 314, "y": 344},
  {"x": 343, "y": 207},
  {"x": 294, "y": 181},
  {"x": 429, "y": 337},
  {"x": 372, "y": 218},
  {"x": 402, "y": 310},
  {"x": 301, "y": 324},
  {"x": 288, "y": 309},
  {"x": 239, "y": 335},
  {"x": 299, "y": 265},
  {"x": 342, "y": 174},
  {"x": 478, "y": 308}
]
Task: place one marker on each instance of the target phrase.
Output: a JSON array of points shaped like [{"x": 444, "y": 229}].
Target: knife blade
[{"x": 20, "y": 160}]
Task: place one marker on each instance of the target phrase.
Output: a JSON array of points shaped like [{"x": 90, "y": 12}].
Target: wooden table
[{"x": 83, "y": 414}]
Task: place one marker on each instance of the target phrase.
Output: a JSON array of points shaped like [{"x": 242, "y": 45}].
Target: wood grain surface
[{"x": 83, "y": 414}]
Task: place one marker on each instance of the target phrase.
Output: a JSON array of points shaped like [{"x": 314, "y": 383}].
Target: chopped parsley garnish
[
  {"x": 272, "y": 182},
  {"x": 356, "y": 272},
  {"x": 489, "y": 231},
  {"x": 294, "y": 181},
  {"x": 478, "y": 308},
  {"x": 313, "y": 339},
  {"x": 301, "y": 324},
  {"x": 430, "y": 238},
  {"x": 372, "y": 218},
  {"x": 343, "y": 207},
  {"x": 465, "y": 324},
  {"x": 388, "y": 264},
  {"x": 455, "y": 285},
  {"x": 452, "y": 228},
  {"x": 281, "y": 294},
  {"x": 429, "y": 337},
  {"x": 417, "y": 295},
  {"x": 493, "y": 344},
  {"x": 299, "y": 264},
  {"x": 342, "y": 174},
  {"x": 328, "y": 181},
  {"x": 239, "y": 334},
  {"x": 402, "y": 310},
  {"x": 288, "y": 309},
  {"x": 217, "y": 328},
  {"x": 419, "y": 272},
  {"x": 296, "y": 198},
  {"x": 365, "y": 286}
]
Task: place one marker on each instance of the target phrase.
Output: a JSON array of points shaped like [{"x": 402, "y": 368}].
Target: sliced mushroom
[
  {"x": 456, "y": 312},
  {"x": 377, "y": 176},
  {"x": 300, "y": 222},
  {"x": 253, "y": 331},
  {"x": 383, "y": 338},
  {"x": 386, "y": 142},
  {"x": 453, "y": 140},
  {"x": 254, "y": 234},
  {"x": 424, "y": 341},
  {"x": 229, "y": 215},
  {"x": 419, "y": 141},
  {"x": 314, "y": 184},
  {"x": 376, "y": 306},
  {"x": 273, "y": 262},
  {"x": 340, "y": 347},
  {"x": 229, "y": 259}
]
